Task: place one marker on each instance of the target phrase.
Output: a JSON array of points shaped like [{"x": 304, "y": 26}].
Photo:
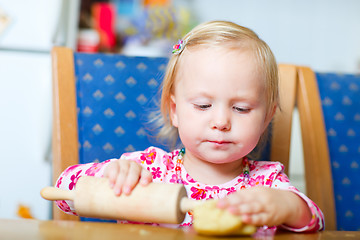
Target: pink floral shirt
[{"x": 162, "y": 166}]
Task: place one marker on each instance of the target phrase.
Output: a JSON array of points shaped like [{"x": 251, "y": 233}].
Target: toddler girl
[{"x": 219, "y": 94}]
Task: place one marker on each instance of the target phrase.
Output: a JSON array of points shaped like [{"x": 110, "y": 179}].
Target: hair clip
[{"x": 178, "y": 48}]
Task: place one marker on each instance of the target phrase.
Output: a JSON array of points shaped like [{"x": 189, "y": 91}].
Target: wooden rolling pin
[{"x": 155, "y": 203}]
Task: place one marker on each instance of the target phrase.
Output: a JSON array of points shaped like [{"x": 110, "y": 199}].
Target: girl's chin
[{"x": 221, "y": 157}]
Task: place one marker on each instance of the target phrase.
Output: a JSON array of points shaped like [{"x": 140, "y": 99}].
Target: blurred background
[{"x": 321, "y": 34}]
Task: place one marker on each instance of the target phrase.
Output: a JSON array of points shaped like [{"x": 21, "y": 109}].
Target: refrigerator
[{"x": 30, "y": 28}]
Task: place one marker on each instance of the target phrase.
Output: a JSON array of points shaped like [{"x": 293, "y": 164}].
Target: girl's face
[{"x": 219, "y": 104}]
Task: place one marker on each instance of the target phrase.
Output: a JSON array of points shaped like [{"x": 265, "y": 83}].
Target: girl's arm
[
  {"x": 298, "y": 211},
  {"x": 317, "y": 222},
  {"x": 280, "y": 205},
  {"x": 266, "y": 206},
  {"x": 304, "y": 204},
  {"x": 68, "y": 179},
  {"x": 124, "y": 174}
]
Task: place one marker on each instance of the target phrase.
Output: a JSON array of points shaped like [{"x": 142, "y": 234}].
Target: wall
[
  {"x": 323, "y": 34},
  {"x": 25, "y": 99}
]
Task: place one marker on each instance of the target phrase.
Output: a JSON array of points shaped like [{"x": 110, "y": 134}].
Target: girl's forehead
[
  {"x": 217, "y": 54},
  {"x": 209, "y": 70},
  {"x": 208, "y": 60},
  {"x": 218, "y": 61}
]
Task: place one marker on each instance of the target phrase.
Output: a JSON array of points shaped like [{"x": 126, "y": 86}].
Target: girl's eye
[
  {"x": 241, "y": 110},
  {"x": 202, "y": 106}
]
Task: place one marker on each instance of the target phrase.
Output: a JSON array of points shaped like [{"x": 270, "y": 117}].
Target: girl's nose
[{"x": 221, "y": 121}]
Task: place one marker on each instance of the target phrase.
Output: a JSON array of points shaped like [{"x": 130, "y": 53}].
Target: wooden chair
[
  {"x": 319, "y": 182},
  {"x": 65, "y": 132},
  {"x": 340, "y": 100},
  {"x": 298, "y": 88},
  {"x": 100, "y": 106},
  {"x": 297, "y": 85}
]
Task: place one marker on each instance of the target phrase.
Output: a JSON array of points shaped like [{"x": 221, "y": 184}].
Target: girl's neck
[{"x": 211, "y": 173}]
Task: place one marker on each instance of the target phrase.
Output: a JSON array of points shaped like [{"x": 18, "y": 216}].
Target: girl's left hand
[{"x": 266, "y": 206}]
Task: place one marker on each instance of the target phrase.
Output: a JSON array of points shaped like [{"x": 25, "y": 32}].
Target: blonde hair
[{"x": 227, "y": 35}]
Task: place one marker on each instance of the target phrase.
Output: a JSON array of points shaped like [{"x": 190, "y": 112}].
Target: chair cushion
[
  {"x": 340, "y": 96},
  {"x": 115, "y": 95}
]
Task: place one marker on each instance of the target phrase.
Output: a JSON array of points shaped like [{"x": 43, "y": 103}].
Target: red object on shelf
[{"x": 104, "y": 22}]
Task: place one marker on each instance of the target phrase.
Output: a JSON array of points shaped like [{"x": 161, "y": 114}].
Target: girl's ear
[
  {"x": 270, "y": 116},
  {"x": 173, "y": 115}
]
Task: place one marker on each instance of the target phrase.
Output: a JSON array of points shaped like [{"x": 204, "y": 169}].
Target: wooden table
[{"x": 36, "y": 230}]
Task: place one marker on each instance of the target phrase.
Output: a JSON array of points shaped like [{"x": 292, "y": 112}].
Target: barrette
[{"x": 179, "y": 47}]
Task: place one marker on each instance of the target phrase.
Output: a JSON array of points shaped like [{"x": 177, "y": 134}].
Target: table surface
[{"x": 35, "y": 229}]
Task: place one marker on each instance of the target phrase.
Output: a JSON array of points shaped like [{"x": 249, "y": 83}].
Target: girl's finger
[
  {"x": 121, "y": 177},
  {"x": 258, "y": 219},
  {"x": 250, "y": 208},
  {"x": 145, "y": 177},
  {"x": 132, "y": 178},
  {"x": 232, "y": 200},
  {"x": 111, "y": 173},
  {"x": 262, "y": 218}
]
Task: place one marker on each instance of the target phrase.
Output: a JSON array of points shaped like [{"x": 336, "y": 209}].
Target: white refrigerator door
[
  {"x": 33, "y": 24},
  {"x": 25, "y": 132}
]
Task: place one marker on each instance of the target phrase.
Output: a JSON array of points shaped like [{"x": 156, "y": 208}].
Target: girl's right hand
[{"x": 124, "y": 175}]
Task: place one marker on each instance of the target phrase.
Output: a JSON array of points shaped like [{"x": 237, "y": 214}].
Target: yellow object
[
  {"x": 24, "y": 212},
  {"x": 156, "y": 2},
  {"x": 210, "y": 220}
]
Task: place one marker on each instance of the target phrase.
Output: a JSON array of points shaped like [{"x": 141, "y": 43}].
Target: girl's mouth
[{"x": 220, "y": 142}]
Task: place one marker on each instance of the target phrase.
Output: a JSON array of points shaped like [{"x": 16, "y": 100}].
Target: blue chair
[
  {"x": 340, "y": 109},
  {"x": 101, "y": 104},
  {"x": 115, "y": 96},
  {"x": 340, "y": 96}
]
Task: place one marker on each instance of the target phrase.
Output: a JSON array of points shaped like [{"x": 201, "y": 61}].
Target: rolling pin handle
[
  {"x": 53, "y": 194},
  {"x": 187, "y": 204}
]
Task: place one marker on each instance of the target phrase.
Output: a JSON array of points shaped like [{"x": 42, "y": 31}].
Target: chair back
[
  {"x": 340, "y": 97},
  {"x": 116, "y": 96},
  {"x": 319, "y": 183},
  {"x": 102, "y": 107}
]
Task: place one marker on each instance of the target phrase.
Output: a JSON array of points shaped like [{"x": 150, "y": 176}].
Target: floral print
[
  {"x": 74, "y": 179},
  {"x": 64, "y": 207},
  {"x": 198, "y": 194},
  {"x": 148, "y": 157},
  {"x": 163, "y": 165},
  {"x": 173, "y": 178},
  {"x": 156, "y": 173},
  {"x": 93, "y": 170},
  {"x": 283, "y": 178},
  {"x": 59, "y": 182},
  {"x": 168, "y": 162},
  {"x": 259, "y": 180},
  {"x": 270, "y": 179}
]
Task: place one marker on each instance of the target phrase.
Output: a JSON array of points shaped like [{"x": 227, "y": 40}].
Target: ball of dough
[{"x": 210, "y": 220}]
